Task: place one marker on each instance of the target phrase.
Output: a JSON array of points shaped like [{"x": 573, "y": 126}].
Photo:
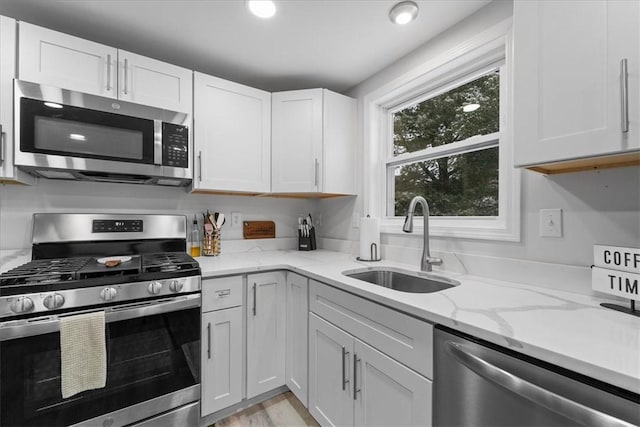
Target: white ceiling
[{"x": 334, "y": 44}]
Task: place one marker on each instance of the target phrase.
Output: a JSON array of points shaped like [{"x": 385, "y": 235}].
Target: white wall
[
  {"x": 598, "y": 206},
  {"x": 18, "y": 203}
]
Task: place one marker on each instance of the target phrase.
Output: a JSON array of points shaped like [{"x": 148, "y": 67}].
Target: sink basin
[{"x": 402, "y": 280}]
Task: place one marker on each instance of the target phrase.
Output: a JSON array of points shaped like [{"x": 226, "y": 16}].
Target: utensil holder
[{"x": 211, "y": 243}]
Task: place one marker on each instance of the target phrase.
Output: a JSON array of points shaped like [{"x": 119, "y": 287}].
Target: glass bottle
[{"x": 194, "y": 239}]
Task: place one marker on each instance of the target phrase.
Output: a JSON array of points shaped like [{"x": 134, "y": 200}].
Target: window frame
[{"x": 487, "y": 51}]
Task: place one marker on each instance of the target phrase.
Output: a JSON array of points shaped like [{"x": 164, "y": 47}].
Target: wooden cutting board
[{"x": 259, "y": 229}]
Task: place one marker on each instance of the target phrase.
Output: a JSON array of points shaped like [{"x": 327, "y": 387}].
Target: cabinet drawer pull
[
  {"x": 356, "y": 390},
  {"x": 624, "y": 95},
  {"x": 108, "y": 72},
  {"x": 345, "y": 380},
  {"x": 224, "y": 293},
  {"x": 208, "y": 340},
  {"x": 255, "y": 289}
]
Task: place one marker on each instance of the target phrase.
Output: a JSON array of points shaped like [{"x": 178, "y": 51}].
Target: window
[
  {"x": 463, "y": 180},
  {"x": 442, "y": 131}
]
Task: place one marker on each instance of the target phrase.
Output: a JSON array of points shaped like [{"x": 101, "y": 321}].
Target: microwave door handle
[
  {"x": 533, "y": 393},
  {"x": 157, "y": 142}
]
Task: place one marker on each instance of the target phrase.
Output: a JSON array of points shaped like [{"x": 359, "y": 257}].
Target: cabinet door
[
  {"x": 567, "y": 79},
  {"x": 221, "y": 357},
  {"x": 296, "y": 369},
  {"x": 265, "y": 332},
  {"x": 232, "y": 136},
  {"x": 7, "y": 73},
  {"x": 390, "y": 394},
  {"x": 151, "y": 82},
  {"x": 297, "y": 141},
  {"x": 331, "y": 374},
  {"x": 56, "y": 59}
]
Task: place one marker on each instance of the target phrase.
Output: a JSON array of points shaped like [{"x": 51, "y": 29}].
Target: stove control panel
[{"x": 117, "y": 226}]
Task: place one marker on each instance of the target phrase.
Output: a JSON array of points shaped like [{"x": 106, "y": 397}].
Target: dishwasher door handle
[{"x": 536, "y": 394}]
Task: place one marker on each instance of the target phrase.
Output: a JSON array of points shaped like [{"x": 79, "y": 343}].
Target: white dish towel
[{"x": 83, "y": 352}]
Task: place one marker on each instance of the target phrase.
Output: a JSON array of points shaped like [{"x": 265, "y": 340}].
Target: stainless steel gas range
[{"x": 136, "y": 270}]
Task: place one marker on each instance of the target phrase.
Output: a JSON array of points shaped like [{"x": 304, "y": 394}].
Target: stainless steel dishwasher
[{"x": 481, "y": 384}]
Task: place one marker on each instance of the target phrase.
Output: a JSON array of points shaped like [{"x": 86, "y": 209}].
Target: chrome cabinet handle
[
  {"x": 108, "y": 72},
  {"x": 315, "y": 173},
  {"x": 254, "y": 298},
  {"x": 208, "y": 340},
  {"x": 536, "y": 394},
  {"x": 356, "y": 390},
  {"x": 126, "y": 78},
  {"x": 624, "y": 95},
  {"x": 200, "y": 166},
  {"x": 345, "y": 380},
  {"x": 2, "y": 139}
]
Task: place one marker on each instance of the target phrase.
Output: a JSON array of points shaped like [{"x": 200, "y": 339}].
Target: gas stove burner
[
  {"x": 168, "y": 262},
  {"x": 44, "y": 271}
]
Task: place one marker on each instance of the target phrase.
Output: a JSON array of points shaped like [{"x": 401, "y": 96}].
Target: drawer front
[
  {"x": 402, "y": 337},
  {"x": 221, "y": 293}
]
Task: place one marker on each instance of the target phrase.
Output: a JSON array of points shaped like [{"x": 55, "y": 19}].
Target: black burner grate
[
  {"x": 44, "y": 271},
  {"x": 168, "y": 262}
]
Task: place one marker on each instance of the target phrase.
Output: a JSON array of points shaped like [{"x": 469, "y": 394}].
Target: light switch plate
[
  {"x": 236, "y": 220},
  {"x": 550, "y": 222}
]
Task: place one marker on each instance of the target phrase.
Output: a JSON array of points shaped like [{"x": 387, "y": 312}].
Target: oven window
[{"x": 147, "y": 357}]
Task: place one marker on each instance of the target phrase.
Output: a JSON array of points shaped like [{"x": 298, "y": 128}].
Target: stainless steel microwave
[{"x": 63, "y": 134}]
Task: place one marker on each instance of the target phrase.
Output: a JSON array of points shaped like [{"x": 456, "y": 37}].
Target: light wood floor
[{"x": 283, "y": 410}]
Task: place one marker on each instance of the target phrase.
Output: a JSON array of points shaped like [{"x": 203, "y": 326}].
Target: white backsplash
[{"x": 18, "y": 203}]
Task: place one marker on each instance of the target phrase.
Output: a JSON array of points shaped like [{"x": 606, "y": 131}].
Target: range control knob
[
  {"x": 53, "y": 301},
  {"x": 176, "y": 286},
  {"x": 107, "y": 294},
  {"x": 154, "y": 288},
  {"x": 22, "y": 305}
]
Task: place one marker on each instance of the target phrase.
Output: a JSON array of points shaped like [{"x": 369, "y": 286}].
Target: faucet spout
[{"x": 426, "y": 261}]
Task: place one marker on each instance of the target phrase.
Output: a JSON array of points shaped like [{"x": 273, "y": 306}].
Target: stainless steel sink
[{"x": 403, "y": 280}]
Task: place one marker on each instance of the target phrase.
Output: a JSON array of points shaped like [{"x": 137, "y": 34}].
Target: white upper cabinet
[
  {"x": 313, "y": 142},
  {"x": 572, "y": 94},
  {"x": 148, "y": 81},
  {"x": 8, "y": 172},
  {"x": 56, "y": 59},
  {"x": 232, "y": 136}
]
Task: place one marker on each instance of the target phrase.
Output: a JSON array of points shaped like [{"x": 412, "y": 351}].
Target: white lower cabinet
[
  {"x": 265, "y": 332},
  {"x": 351, "y": 383},
  {"x": 297, "y": 335},
  {"x": 221, "y": 359},
  {"x": 368, "y": 364},
  {"x": 221, "y": 344}
]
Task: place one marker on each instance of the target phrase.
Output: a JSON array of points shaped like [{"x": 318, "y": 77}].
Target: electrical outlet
[
  {"x": 355, "y": 220},
  {"x": 236, "y": 219},
  {"x": 550, "y": 222}
]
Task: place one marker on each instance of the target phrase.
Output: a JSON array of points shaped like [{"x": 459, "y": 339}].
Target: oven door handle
[{"x": 47, "y": 324}]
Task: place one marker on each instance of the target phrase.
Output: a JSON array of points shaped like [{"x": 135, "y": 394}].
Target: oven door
[{"x": 153, "y": 366}]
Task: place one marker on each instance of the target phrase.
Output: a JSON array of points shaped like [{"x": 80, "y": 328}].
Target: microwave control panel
[{"x": 175, "y": 145}]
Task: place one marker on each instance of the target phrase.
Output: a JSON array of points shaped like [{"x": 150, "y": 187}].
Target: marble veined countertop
[{"x": 567, "y": 329}]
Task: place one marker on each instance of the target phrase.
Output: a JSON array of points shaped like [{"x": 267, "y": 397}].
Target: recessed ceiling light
[
  {"x": 470, "y": 107},
  {"x": 262, "y": 8},
  {"x": 403, "y": 13}
]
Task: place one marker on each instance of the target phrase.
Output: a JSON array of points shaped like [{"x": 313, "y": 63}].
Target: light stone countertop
[{"x": 567, "y": 329}]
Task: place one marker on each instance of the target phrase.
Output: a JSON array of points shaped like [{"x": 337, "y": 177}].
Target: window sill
[{"x": 485, "y": 229}]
